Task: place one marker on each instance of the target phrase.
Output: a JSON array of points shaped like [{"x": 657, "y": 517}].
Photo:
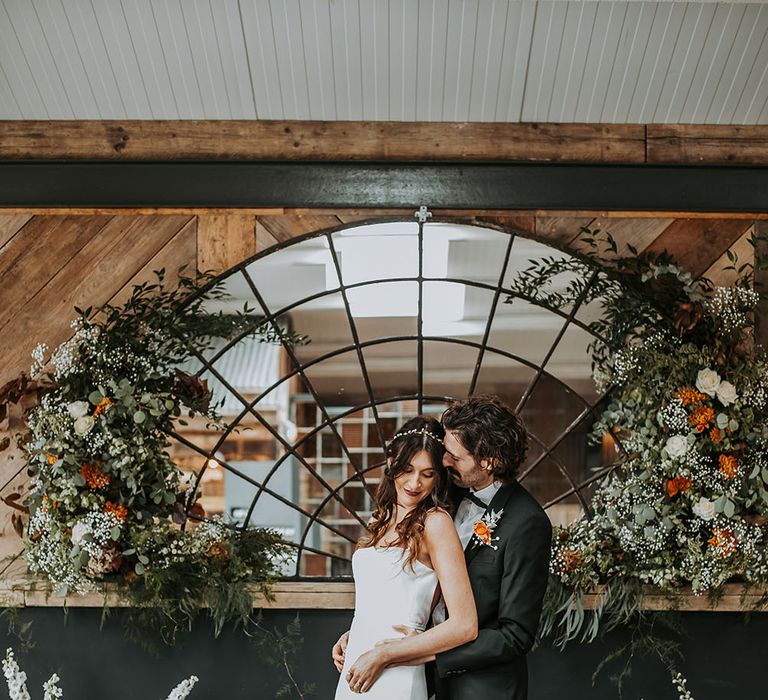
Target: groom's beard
[{"x": 467, "y": 481}]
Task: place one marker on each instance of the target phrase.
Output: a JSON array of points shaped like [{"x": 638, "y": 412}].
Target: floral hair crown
[{"x": 423, "y": 431}]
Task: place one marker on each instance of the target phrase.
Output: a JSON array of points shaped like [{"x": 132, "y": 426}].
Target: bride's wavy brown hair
[{"x": 428, "y": 436}]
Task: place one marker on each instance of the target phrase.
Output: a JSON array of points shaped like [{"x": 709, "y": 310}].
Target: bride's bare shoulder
[{"x": 438, "y": 522}]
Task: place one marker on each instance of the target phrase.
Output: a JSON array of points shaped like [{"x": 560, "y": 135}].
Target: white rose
[
  {"x": 78, "y": 409},
  {"x": 704, "y": 508},
  {"x": 83, "y": 424},
  {"x": 726, "y": 392},
  {"x": 79, "y": 531},
  {"x": 707, "y": 381},
  {"x": 676, "y": 446}
]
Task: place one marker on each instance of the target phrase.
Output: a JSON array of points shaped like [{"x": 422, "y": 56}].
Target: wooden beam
[
  {"x": 321, "y": 140},
  {"x": 350, "y": 185},
  {"x": 26, "y": 591},
  {"x": 711, "y": 144},
  {"x": 358, "y": 214}
]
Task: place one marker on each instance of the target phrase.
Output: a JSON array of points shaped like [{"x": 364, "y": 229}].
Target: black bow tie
[{"x": 472, "y": 497}]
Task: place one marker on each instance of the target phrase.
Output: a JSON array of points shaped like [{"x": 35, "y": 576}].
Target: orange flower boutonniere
[{"x": 482, "y": 530}]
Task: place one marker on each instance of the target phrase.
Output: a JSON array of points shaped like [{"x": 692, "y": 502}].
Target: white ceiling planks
[{"x": 622, "y": 61}]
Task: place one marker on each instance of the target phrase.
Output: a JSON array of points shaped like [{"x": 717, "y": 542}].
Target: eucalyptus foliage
[{"x": 107, "y": 502}]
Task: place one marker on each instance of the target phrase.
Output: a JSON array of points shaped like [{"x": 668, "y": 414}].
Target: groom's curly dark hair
[{"x": 489, "y": 429}]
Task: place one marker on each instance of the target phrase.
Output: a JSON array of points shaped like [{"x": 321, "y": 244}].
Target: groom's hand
[{"x": 339, "y": 651}]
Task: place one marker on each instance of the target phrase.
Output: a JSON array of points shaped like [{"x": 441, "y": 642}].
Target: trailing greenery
[{"x": 686, "y": 503}]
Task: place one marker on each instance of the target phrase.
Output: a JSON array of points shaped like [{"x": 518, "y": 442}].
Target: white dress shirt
[{"x": 467, "y": 514}]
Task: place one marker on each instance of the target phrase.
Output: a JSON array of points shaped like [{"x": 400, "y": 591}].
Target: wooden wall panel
[
  {"x": 288, "y": 226},
  {"x": 697, "y": 243},
  {"x": 10, "y": 224},
  {"x": 89, "y": 277},
  {"x": 745, "y": 253},
  {"x": 179, "y": 252},
  {"x": 30, "y": 260},
  {"x": 223, "y": 240},
  {"x": 49, "y": 263},
  {"x": 639, "y": 233},
  {"x": 560, "y": 230}
]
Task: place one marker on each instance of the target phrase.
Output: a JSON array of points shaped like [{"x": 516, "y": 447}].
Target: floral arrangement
[
  {"x": 689, "y": 504},
  {"x": 17, "y": 683},
  {"x": 482, "y": 530},
  {"x": 687, "y": 387},
  {"x": 107, "y": 502}
]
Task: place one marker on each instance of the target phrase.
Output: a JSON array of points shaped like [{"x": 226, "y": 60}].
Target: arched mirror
[{"x": 401, "y": 318}]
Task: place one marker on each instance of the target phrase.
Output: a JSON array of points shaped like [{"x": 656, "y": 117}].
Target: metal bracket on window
[{"x": 423, "y": 214}]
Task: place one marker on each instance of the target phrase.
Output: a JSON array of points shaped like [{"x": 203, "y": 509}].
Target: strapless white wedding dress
[{"x": 387, "y": 594}]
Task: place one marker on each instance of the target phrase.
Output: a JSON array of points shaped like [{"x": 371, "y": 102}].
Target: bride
[{"x": 410, "y": 548}]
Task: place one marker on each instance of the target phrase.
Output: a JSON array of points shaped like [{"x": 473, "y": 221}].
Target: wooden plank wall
[{"x": 51, "y": 262}]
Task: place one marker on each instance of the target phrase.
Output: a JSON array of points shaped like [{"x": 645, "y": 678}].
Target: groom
[{"x": 485, "y": 444}]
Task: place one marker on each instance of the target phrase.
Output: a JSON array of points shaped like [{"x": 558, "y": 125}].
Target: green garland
[{"x": 107, "y": 501}]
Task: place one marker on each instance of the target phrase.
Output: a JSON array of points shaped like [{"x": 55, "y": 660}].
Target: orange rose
[
  {"x": 571, "y": 559},
  {"x": 678, "y": 485},
  {"x": 688, "y": 395},
  {"x": 482, "y": 531},
  {"x": 724, "y": 541},
  {"x": 94, "y": 476},
  {"x": 117, "y": 509},
  {"x": 728, "y": 465},
  {"x": 702, "y": 418},
  {"x": 104, "y": 404}
]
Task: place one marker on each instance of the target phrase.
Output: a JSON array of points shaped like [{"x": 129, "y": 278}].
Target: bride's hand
[{"x": 366, "y": 670}]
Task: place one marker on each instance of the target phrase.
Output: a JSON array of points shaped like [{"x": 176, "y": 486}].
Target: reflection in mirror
[
  {"x": 571, "y": 363},
  {"x": 384, "y": 309},
  {"x": 392, "y": 367},
  {"x": 379, "y": 251},
  {"x": 524, "y": 330},
  {"x": 286, "y": 276},
  {"x": 458, "y": 251},
  {"x": 308, "y": 458},
  {"x": 448, "y": 368}
]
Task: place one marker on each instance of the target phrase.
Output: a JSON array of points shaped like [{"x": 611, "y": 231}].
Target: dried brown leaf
[{"x": 18, "y": 525}]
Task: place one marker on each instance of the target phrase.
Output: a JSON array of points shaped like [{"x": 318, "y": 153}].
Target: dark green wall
[{"x": 724, "y": 659}]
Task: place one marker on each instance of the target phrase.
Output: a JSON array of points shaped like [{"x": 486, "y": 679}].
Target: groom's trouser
[{"x": 507, "y": 682}]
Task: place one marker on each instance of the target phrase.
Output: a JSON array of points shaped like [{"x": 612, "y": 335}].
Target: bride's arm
[{"x": 448, "y": 561}]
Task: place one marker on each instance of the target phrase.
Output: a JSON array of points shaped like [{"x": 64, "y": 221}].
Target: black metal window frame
[{"x": 298, "y": 368}]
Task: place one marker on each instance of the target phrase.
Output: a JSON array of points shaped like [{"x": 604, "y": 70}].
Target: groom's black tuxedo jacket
[{"x": 508, "y": 584}]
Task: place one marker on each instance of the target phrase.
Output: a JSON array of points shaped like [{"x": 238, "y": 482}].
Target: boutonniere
[{"x": 482, "y": 530}]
